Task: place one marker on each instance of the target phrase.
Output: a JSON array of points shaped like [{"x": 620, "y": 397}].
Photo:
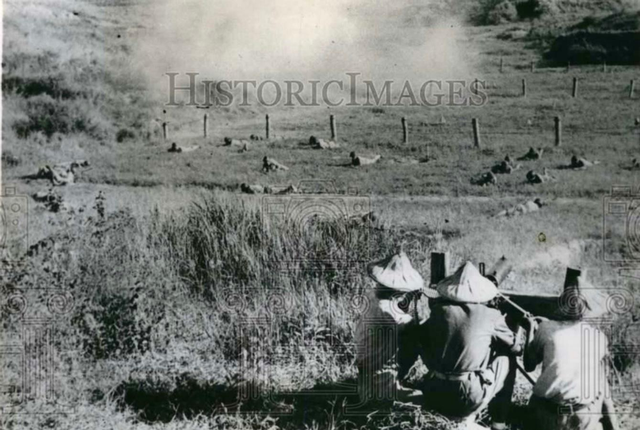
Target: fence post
[
  {"x": 533, "y": 66},
  {"x": 524, "y": 87},
  {"x": 267, "y": 128},
  {"x": 476, "y": 132},
  {"x": 206, "y": 123},
  {"x": 165, "y": 130},
  {"x": 332, "y": 125},
  {"x": 632, "y": 88},
  {"x": 501, "y": 64},
  {"x": 558, "y": 122},
  {"x": 405, "y": 131},
  {"x": 574, "y": 92},
  {"x": 604, "y": 67},
  {"x": 439, "y": 266},
  {"x": 568, "y": 66}
]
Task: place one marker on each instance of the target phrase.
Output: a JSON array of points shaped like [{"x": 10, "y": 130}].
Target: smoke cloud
[{"x": 303, "y": 40}]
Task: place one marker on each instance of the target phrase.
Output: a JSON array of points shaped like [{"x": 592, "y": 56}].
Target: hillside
[{"x": 69, "y": 89}]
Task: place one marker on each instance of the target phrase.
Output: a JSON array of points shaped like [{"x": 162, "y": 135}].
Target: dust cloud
[{"x": 304, "y": 40}]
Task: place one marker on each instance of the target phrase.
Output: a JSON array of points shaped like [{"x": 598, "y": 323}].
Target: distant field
[{"x": 598, "y": 124}]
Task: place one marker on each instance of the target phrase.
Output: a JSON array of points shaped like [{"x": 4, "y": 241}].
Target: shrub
[
  {"x": 8, "y": 159},
  {"x": 614, "y": 22},
  {"x": 49, "y": 116},
  {"x": 51, "y": 86},
  {"x": 505, "y": 11},
  {"x": 124, "y": 134},
  {"x": 531, "y": 9},
  {"x": 109, "y": 326},
  {"x": 584, "y": 47}
]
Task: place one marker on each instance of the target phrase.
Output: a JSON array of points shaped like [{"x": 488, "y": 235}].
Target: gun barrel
[
  {"x": 523, "y": 311},
  {"x": 500, "y": 271}
]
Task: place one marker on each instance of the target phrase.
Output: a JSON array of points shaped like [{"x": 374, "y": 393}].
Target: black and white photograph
[{"x": 320, "y": 215}]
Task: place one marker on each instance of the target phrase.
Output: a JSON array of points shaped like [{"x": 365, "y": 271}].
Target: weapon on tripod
[{"x": 497, "y": 274}]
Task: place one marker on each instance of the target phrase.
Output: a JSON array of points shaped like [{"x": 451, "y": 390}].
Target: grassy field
[{"x": 178, "y": 282}]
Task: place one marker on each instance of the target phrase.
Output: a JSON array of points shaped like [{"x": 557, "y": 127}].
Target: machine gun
[
  {"x": 497, "y": 274},
  {"x": 518, "y": 305}
]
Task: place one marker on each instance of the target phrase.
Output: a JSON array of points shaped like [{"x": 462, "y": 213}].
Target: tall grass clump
[
  {"x": 236, "y": 245},
  {"x": 301, "y": 276}
]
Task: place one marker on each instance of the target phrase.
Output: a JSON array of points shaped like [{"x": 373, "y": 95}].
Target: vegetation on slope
[{"x": 68, "y": 86}]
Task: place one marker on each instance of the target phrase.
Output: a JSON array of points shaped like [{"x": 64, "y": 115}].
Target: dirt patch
[{"x": 556, "y": 255}]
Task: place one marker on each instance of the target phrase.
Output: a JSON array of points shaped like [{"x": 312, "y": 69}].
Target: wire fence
[
  {"x": 456, "y": 127},
  {"x": 406, "y": 130}
]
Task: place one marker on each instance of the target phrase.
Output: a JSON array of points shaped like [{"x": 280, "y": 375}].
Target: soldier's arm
[
  {"x": 609, "y": 417},
  {"x": 533, "y": 349},
  {"x": 408, "y": 348},
  {"x": 504, "y": 337}
]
